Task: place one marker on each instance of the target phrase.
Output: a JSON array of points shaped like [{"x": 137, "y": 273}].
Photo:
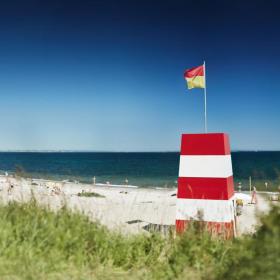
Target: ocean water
[{"x": 140, "y": 169}]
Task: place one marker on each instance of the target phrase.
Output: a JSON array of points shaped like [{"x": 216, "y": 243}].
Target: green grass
[
  {"x": 36, "y": 243},
  {"x": 90, "y": 194}
]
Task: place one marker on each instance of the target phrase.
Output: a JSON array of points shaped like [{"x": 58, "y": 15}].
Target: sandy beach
[{"x": 122, "y": 208}]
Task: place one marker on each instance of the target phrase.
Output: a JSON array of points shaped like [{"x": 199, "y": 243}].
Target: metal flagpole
[{"x": 205, "y": 107}]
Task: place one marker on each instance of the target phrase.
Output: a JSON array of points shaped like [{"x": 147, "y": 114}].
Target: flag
[{"x": 195, "y": 77}]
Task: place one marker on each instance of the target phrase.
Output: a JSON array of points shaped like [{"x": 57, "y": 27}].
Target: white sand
[{"x": 119, "y": 206}]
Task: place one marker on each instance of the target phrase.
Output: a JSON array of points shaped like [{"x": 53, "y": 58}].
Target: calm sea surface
[{"x": 141, "y": 169}]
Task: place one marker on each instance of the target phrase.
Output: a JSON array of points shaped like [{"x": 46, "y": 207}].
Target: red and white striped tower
[{"x": 205, "y": 184}]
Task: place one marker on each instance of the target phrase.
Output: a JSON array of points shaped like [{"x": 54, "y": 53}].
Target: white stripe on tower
[
  {"x": 218, "y": 166},
  {"x": 206, "y": 210}
]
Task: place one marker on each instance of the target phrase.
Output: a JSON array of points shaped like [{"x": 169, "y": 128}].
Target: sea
[{"x": 142, "y": 169}]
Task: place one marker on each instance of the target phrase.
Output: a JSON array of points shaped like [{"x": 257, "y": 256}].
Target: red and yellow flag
[{"x": 195, "y": 77}]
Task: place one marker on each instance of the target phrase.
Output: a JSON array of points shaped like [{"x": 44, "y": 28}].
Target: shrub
[{"x": 90, "y": 194}]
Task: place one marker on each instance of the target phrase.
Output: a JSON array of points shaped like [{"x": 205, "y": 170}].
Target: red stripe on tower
[{"x": 205, "y": 184}]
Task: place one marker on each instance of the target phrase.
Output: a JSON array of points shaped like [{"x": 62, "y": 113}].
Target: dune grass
[
  {"x": 36, "y": 243},
  {"x": 90, "y": 194}
]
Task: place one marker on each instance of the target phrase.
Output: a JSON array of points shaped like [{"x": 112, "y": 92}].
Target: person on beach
[
  {"x": 239, "y": 186},
  {"x": 266, "y": 184},
  {"x": 254, "y": 196},
  {"x": 10, "y": 188},
  {"x": 239, "y": 206}
]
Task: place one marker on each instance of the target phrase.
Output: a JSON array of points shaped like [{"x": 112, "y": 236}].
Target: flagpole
[{"x": 205, "y": 107}]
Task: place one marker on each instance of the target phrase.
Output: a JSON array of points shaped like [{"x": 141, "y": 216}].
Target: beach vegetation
[
  {"x": 21, "y": 172},
  {"x": 90, "y": 194},
  {"x": 36, "y": 243}
]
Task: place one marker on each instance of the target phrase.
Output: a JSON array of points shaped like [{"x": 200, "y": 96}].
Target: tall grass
[{"x": 36, "y": 243}]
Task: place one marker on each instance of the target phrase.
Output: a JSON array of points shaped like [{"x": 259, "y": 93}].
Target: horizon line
[{"x": 114, "y": 151}]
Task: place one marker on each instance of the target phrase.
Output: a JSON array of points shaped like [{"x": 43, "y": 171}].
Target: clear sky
[{"x": 108, "y": 75}]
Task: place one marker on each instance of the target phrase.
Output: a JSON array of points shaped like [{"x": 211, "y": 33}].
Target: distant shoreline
[{"x": 125, "y": 152}]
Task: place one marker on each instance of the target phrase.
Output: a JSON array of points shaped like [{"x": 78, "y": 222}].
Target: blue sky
[{"x": 108, "y": 75}]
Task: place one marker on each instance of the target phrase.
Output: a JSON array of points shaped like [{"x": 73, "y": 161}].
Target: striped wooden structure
[{"x": 205, "y": 183}]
